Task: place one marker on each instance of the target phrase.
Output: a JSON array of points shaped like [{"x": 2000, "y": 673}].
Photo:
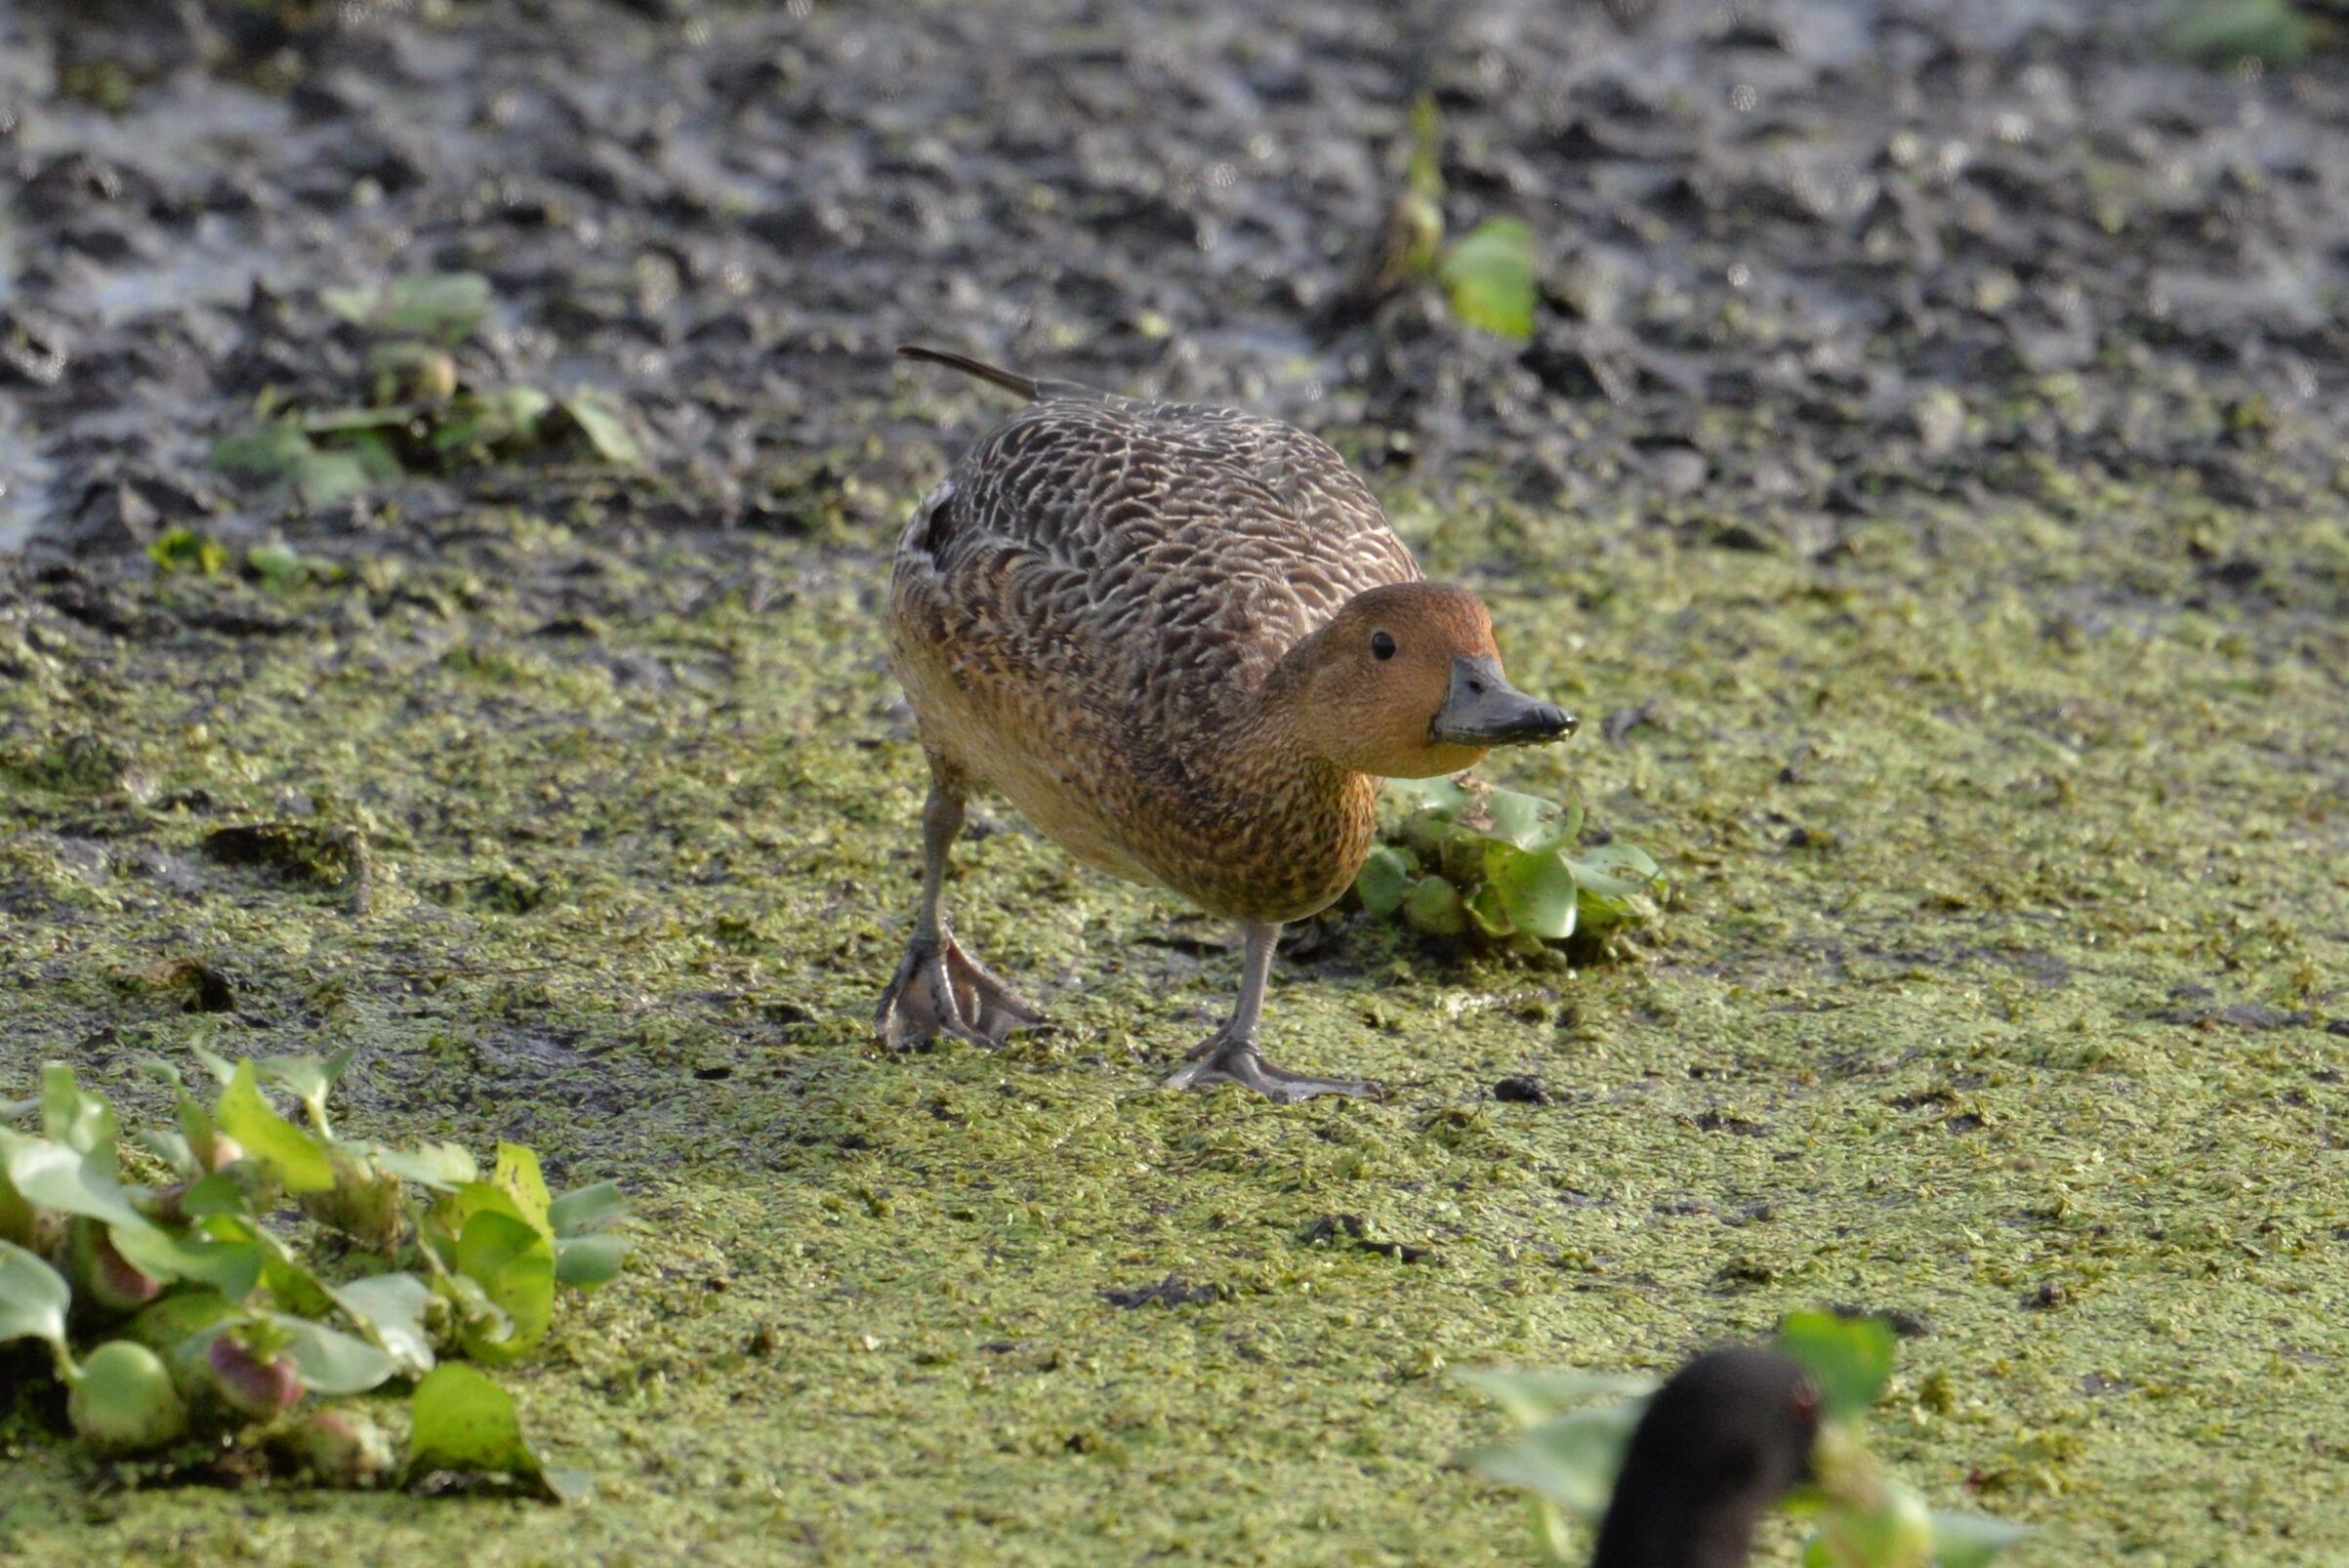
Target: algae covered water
[{"x": 1923, "y": 477}]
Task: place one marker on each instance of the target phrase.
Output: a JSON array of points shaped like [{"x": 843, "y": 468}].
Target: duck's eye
[{"x": 1382, "y": 646}]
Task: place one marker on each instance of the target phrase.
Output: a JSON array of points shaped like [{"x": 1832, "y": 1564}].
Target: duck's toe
[
  {"x": 940, "y": 989},
  {"x": 1224, "y": 1057}
]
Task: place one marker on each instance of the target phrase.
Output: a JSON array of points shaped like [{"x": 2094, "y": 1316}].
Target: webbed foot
[
  {"x": 1231, "y": 1057},
  {"x": 940, "y": 989}
]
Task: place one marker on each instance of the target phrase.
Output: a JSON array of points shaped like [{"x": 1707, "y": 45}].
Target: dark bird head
[{"x": 1718, "y": 1445}]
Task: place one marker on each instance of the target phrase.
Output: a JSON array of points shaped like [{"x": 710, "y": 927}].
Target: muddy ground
[{"x": 1930, "y": 456}]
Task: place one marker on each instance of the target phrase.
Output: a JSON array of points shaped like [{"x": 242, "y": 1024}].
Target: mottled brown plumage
[{"x": 1181, "y": 639}]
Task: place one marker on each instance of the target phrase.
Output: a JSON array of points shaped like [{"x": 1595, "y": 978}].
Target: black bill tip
[{"x": 1482, "y": 708}]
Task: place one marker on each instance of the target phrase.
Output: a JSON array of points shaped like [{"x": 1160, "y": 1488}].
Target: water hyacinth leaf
[
  {"x": 17, "y": 1215},
  {"x": 34, "y": 1299},
  {"x": 599, "y": 1205},
  {"x": 1849, "y": 1358},
  {"x": 82, "y": 1122},
  {"x": 1537, "y": 890},
  {"x": 390, "y": 1308},
  {"x": 601, "y": 418},
  {"x": 1526, "y": 821},
  {"x": 291, "y": 1154},
  {"x": 1531, "y": 1397},
  {"x": 2227, "y": 32},
  {"x": 583, "y": 1262},
  {"x": 1893, "y": 1530},
  {"x": 514, "y": 1263},
  {"x": 1484, "y": 912},
  {"x": 352, "y": 304},
  {"x": 331, "y": 1362},
  {"x": 518, "y": 1175},
  {"x": 308, "y": 1079},
  {"x": 1491, "y": 277},
  {"x": 1434, "y": 906},
  {"x": 465, "y": 1421},
  {"x": 124, "y": 1401},
  {"x": 439, "y": 1167},
  {"x": 1440, "y": 794},
  {"x": 262, "y": 454},
  {"x": 171, "y": 1146},
  {"x": 1569, "y": 1460},
  {"x": 447, "y": 306},
  {"x": 233, "y": 1268},
  {"x": 50, "y": 1176},
  {"x": 294, "y": 1288},
  {"x": 1386, "y": 875},
  {"x": 1617, "y": 870},
  {"x": 1971, "y": 1540},
  {"x": 455, "y": 1210},
  {"x": 217, "y": 1194}
]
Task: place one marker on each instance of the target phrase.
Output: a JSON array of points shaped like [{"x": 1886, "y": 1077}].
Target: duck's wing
[{"x": 1156, "y": 553}]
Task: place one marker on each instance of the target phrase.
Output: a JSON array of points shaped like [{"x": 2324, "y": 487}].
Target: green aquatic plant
[
  {"x": 423, "y": 412},
  {"x": 199, "y": 1305},
  {"x": 1498, "y": 866},
  {"x": 1569, "y": 1449},
  {"x": 1490, "y": 277}
]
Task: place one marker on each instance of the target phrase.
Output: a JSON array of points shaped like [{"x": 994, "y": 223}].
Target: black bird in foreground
[{"x": 1717, "y": 1446}]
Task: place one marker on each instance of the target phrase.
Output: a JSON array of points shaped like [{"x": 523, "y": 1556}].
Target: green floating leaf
[
  {"x": 584, "y": 1263},
  {"x": 183, "y": 549},
  {"x": 261, "y": 454},
  {"x": 447, "y": 305},
  {"x": 439, "y": 1167},
  {"x": 1531, "y": 1397},
  {"x": 390, "y": 1308},
  {"x": 518, "y": 1175},
  {"x": 514, "y": 1263},
  {"x": 1971, "y": 1540},
  {"x": 308, "y": 1079},
  {"x": 354, "y": 305},
  {"x": 34, "y": 1299},
  {"x": 1384, "y": 878},
  {"x": 50, "y": 1176},
  {"x": 124, "y": 1401},
  {"x": 1849, "y": 1358},
  {"x": 331, "y": 1362},
  {"x": 597, "y": 1206},
  {"x": 1569, "y": 1460},
  {"x": 298, "y": 1159},
  {"x": 1526, "y": 821},
  {"x": 1537, "y": 891},
  {"x": 1491, "y": 277},
  {"x": 1434, "y": 906},
  {"x": 2223, "y": 33},
  {"x": 601, "y": 416},
  {"x": 82, "y": 1122},
  {"x": 465, "y": 1421},
  {"x": 1444, "y": 794},
  {"x": 1484, "y": 912},
  {"x": 231, "y": 1266}
]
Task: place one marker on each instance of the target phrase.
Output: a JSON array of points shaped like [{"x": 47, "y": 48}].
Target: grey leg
[
  {"x": 938, "y": 988},
  {"x": 1230, "y": 1055}
]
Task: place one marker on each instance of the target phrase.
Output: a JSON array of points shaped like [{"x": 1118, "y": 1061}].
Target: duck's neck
[
  {"x": 1653, "y": 1523},
  {"x": 1303, "y": 822}
]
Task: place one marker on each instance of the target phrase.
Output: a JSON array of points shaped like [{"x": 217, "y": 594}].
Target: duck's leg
[
  {"x": 938, "y": 988},
  {"x": 1230, "y": 1055}
]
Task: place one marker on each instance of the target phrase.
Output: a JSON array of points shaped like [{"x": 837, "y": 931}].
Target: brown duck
[{"x": 1185, "y": 643}]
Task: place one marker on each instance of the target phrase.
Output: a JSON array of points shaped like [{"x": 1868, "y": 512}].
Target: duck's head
[{"x": 1405, "y": 682}]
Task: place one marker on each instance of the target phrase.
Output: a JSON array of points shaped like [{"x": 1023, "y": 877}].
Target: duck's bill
[{"x": 1482, "y": 708}]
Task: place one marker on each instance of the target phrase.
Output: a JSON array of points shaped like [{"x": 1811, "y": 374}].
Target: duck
[
  {"x": 1185, "y": 643},
  {"x": 1718, "y": 1444}
]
